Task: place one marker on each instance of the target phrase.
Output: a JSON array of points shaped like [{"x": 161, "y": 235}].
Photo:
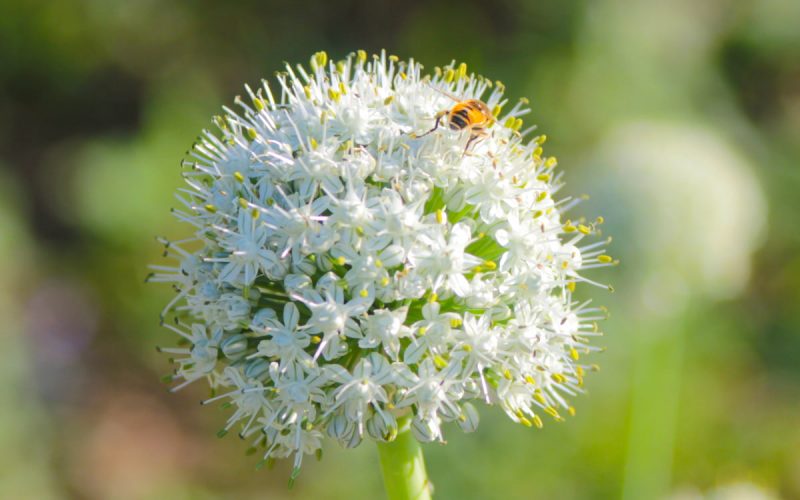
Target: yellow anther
[
  {"x": 537, "y": 214},
  {"x": 340, "y": 261},
  {"x": 573, "y": 353},
  {"x": 316, "y": 339},
  {"x": 466, "y": 348},
  {"x": 361, "y": 56},
  {"x": 394, "y": 58},
  {"x": 449, "y": 75},
  {"x": 497, "y": 110},
  {"x": 569, "y": 228},
  {"x": 340, "y": 67},
  {"x": 558, "y": 378},
  {"x": 384, "y": 281},
  {"x": 584, "y": 229},
  {"x": 243, "y": 203},
  {"x": 599, "y": 220},
  {"x": 364, "y": 293},
  {"x": 334, "y": 95},
  {"x": 388, "y": 100},
  {"x": 342, "y": 88},
  {"x": 524, "y": 421},
  {"x": 313, "y": 142},
  {"x": 529, "y": 379},
  {"x": 252, "y": 134},
  {"x": 319, "y": 60},
  {"x": 211, "y": 208},
  {"x": 403, "y": 76},
  {"x": 238, "y": 176},
  {"x": 422, "y": 331},
  {"x": 488, "y": 264},
  {"x": 477, "y": 269},
  {"x": 541, "y": 139},
  {"x": 433, "y": 298},
  {"x": 551, "y": 162},
  {"x": 605, "y": 259},
  {"x": 539, "y": 397},
  {"x": 509, "y": 123},
  {"x": 378, "y": 263},
  {"x": 462, "y": 70},
  {"x": 462, "y": 418},
  {"x": 552, "y": 412},
  {"x": 543, "y": 177},
  {"x": 541, "y": 196},
  {"x": 571, "y": 286},
  {"x": 307, "y": 91},
  {"x": 538, "y": 151},
  {"x": 439, "y": 361},
  {"x": 259, "y": 104},
  {"x": 439, "y": 216},
  {"x": 507, "y": 374},
  {"x": 580, "y": 371},
  {"x": 571, "y": 411},
  {"x": 537, "y": 421},
  {"x": 565, "y": 265},
  {"x": 254, "y": 213},
  {"x": 455, "y": 322}
]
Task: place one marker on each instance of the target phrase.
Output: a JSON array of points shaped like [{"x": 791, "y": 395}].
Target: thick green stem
[{"x": 403, "y": 466}]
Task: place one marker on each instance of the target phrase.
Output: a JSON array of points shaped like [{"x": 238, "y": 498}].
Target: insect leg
[
  {"x": 439, "y": 116},
  {"x": 474, "y": 134}
]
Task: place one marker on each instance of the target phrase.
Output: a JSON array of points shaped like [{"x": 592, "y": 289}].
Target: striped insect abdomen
[{"x": 467, "y": 114}]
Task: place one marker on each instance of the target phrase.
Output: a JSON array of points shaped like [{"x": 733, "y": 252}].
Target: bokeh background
[{"x": 681, "y": 119}]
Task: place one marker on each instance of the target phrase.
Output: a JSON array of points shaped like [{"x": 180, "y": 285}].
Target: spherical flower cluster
[{"x": 345, "y": 270}]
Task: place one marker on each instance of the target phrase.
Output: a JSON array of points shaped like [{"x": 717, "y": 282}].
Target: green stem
[{"x": 403, "y": 466}]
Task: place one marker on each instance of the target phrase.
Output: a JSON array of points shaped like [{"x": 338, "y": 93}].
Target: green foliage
[{"x": 101, "y": 99}]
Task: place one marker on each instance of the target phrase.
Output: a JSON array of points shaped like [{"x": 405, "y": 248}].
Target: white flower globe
[{"x": 346, "y": 269}]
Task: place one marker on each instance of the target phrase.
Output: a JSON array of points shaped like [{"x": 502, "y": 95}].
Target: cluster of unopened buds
[{"x": 347, "y": 269}]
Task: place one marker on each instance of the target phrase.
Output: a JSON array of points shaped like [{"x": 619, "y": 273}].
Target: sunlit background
[{"x": 681, "y": 119}]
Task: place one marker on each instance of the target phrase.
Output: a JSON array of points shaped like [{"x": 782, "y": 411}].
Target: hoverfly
[{"x": 470, "y": 114}]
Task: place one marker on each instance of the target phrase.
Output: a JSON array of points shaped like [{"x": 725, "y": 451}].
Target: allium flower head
[{"x": 345, "y": 270}]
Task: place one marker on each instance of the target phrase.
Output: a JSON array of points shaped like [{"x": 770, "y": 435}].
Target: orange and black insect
[{"x": 471, "y": 114}]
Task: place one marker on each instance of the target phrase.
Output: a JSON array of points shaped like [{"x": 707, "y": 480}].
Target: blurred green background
[{"x": 681, "y": 119}]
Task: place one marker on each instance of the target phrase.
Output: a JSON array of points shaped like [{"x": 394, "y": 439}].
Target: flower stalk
[{"x": 403, "y": 466}]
